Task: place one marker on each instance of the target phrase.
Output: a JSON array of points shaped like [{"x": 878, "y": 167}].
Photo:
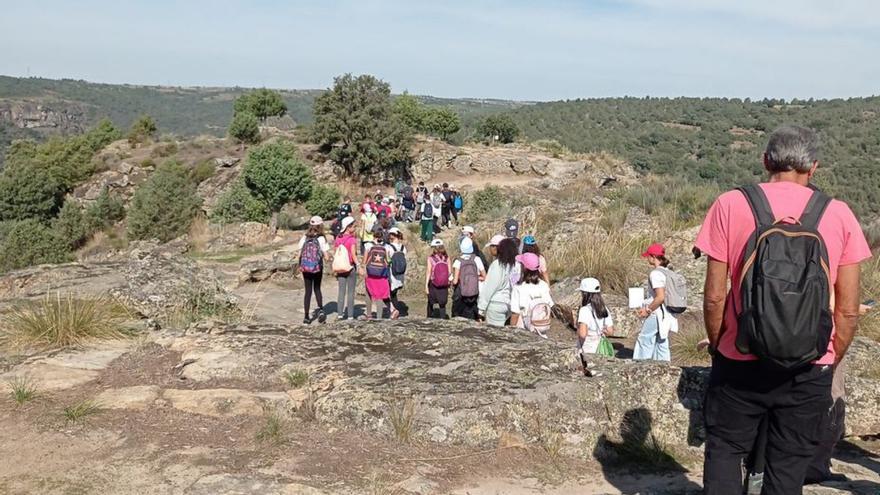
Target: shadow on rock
[{"x": 640, "y": 454}]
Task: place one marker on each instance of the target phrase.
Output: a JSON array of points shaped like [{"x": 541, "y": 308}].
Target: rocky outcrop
[{"x": 57, "y": 117}]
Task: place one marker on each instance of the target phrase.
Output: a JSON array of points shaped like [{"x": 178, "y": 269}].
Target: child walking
[
  {"x": 397, "y": 254},
  {"x": 376, "y": 271},
  {"x": 437, "y": 279},
  {"x": 313, "y": 251},
  {"x": 594, "y": 322},
  {"x": 345, "y": 267}
]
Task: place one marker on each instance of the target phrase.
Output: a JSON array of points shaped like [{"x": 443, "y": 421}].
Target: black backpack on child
[
  {"x": 785, "y": 318},
  {"x": 398, "y": 261}
]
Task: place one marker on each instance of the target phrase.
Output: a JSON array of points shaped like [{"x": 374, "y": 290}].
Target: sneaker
[
  {"x": 321, "y": 317},
  {"x": 307, "y": 320}
]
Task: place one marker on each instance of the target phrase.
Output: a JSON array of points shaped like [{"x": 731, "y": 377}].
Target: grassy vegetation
[
  {"x": 296, "y": 378},
  {"x": 683, "y": 345},
  {"x": 273, "y": 430},
  {"x": 63, "y": 321},
  {"x": 402, "y": 413},
  {"x": 612, "y": 258},
  {"x": 870, "y": 323},
  {"x": 22, "y": 389},
  {"x": 75, "y": 413},
  {"x": 201, "y": 305}
]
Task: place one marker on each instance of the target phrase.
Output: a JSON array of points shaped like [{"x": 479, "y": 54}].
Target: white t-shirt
[
  {"x": 322, "y": 244},
  {"x": 587, "y": 316},
  {"x": 523, "y": 295},
  {"x": 657, "y": 280}
]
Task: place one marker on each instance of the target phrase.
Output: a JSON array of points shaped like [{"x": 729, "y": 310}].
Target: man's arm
[
  {"x": 846, "y": 308},
  {"x": 714, "y": 295}
]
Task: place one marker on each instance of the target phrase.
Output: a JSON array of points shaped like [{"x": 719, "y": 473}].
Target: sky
[{"x": 513, "y": 49}]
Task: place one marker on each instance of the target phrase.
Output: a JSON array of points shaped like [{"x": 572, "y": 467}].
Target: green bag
[{"x": 605, "y": 348}]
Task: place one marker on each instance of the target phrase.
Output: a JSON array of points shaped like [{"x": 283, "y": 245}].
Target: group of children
[{"x": 512, "y": 290}]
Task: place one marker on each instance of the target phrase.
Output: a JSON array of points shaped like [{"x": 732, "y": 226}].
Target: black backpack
[
  {"x": 785, "y": 318},
  {"x": 398, "y": 261}
]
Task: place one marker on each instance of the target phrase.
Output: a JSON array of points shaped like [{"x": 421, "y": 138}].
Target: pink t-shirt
[
  {"x": 729, "y": 224},
  {"x": 350, "y": 243}
]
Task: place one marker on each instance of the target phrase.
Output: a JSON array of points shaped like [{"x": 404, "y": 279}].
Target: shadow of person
[
  {"x": 640, "y": 462},
  {"x": 849, "y": 452},
  {"x": 621, "y": 351},
  {"x": 691, "y": 392}
]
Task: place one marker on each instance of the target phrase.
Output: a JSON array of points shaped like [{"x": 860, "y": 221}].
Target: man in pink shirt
[{"x": 742, "y": 389}]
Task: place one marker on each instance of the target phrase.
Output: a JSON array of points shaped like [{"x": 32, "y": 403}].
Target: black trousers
[
  {"x": 313, "y": 283},
  {"x": 740, "y": 395},
  {"x": 833, "y": 428}
]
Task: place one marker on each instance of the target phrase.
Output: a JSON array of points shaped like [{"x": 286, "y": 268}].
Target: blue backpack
[{"x": 457, "y": 202}]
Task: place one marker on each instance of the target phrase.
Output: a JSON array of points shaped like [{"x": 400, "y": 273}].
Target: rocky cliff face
[{"x": 61, "y": 117}]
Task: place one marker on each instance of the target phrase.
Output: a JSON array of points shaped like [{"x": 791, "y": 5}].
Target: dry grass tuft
[
  {"x": 199, "y": 234},
  {"x": 77, "y": 412},
  {"x": 63, "y": 321},
  {"x": 22, "y": 389},
  {"x": 273, "y": 430},
  {"x": 402, "y": 415},
  {"x": 612, "y": 258},
  {"x": 296, "y": 378},
  {"x": 308, "y": 410},
  {"x": 683, "y": 345}
]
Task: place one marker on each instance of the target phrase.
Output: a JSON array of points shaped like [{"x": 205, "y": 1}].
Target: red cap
[{"x": 655, "y": 249}]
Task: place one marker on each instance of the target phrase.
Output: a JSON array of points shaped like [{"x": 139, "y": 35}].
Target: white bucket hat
[
  {"x": 316, "y": 220},
  {"x": 346, "y": 222}
]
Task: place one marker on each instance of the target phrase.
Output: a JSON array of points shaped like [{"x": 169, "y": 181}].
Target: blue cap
[{"x": 529, "y": 240}]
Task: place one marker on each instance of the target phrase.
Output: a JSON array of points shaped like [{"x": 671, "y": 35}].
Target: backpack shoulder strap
[
  {"x": 758, "y": 203},
  {"x": 815, "y": 208}
]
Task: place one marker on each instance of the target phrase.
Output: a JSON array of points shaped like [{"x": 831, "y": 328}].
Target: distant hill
[
  {"x": 719, "y": 140},
  {"x": 178, "y": 110}
]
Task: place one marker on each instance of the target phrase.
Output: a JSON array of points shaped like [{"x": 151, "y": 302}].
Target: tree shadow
[{"x": 626, "y": 464}]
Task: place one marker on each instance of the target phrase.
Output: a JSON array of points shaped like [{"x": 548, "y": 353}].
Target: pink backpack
[{"x": 440, "y": 272}]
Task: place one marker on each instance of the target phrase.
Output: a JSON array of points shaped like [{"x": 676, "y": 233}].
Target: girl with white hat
[
  {"x": 313, "y": 252},
  {"x": 594, "y": 321}
]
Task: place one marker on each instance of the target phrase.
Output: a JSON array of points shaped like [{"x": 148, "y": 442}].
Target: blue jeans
[{"x": 649, "y": 345}]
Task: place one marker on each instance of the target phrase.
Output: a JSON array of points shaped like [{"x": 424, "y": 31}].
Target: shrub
[
  {"x": 323, "y": 201},
  {"x": 276, "y": 176},
  {"x": 163, "y": 207},
  {"x": 501, "y": 126},
  {"x": 245, "y": 128},
  {"x": 58, "y": 321},
  {"x": 296, "y": 378},
  {"x": 142, "y": 130},
  {"x": 551, "y": 146},
  {"x": 238, "y": 205},
  {"x": 202, "y": 171},
  {"x": 71, "y": 225},
  {"x": 164, "y": 150},
  {"x": 30, "y": 242},
  {"x": 485, "y": 204},
  {"x": 442, "y": 122},
  {"x": 28, "y": 191},
  {"x": 104, "y": 212}
]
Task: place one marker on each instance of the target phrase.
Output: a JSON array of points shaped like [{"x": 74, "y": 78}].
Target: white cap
[
  {"x": 467, "y": 229},
  {"x": 437, "y": 243},
  {"x": 590, "y": 285},
  {"x": 316, "y": 220},
  {"x": 346, "y": 222},
  {"x": 394, "y": 230}
]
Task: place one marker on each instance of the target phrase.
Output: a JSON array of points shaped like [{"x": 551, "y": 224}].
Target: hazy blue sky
[{"x": 539, "y": 50}]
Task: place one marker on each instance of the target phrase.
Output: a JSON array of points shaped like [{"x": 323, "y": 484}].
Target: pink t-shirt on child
[
  {"x": 729, "y": 224},
  {"x": 350, "y": 243}
]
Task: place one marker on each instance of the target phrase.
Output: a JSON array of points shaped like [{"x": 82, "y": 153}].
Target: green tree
[
  {"x": 142, "y": 130},
  {"x": 323, "y": 201},
  {"x": 410, "y": 110},
  {"x": 28, "y": 191},
  {"x": 274, "y": 174},
  {"x": 103, "y": 134},
  {"x": 245, "y": 128},
  {"x": 355, "y": 122},
  {"x": 261, "y": 103},
  {"x": 104, "y": 212},
  {"x": 442, "y": 122},
  {"x": 164, "y": 206},
  {"x": 238, "y": 205},
  {"x": 71, "y": 225},
  {"x": 31, "y": 242},
  {"x": 501, "y": 126}
]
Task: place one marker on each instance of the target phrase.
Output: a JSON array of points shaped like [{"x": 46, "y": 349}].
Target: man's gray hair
[{"x": 792, "y": 147}]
